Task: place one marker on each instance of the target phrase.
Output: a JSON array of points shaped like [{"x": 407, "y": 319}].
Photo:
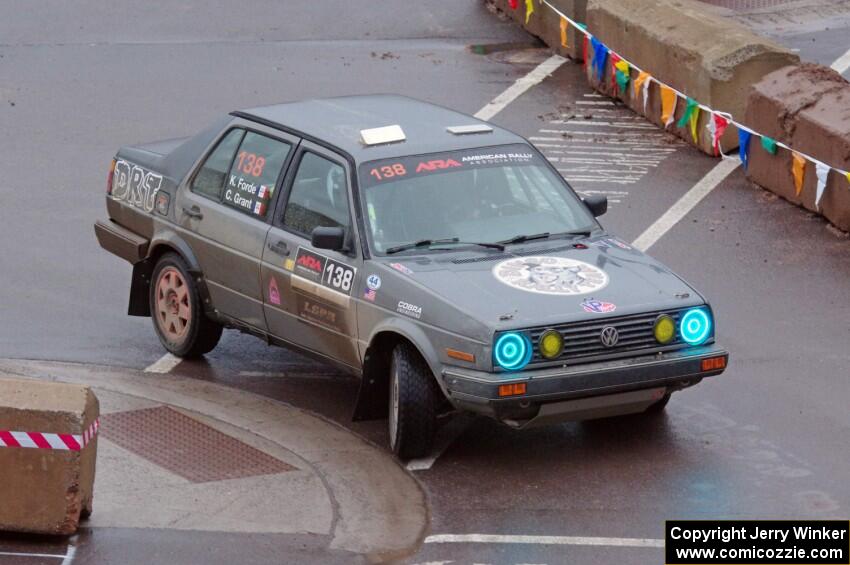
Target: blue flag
[
  {"x": 600, "y": 55},
  {"x": 744, "y": 146}
]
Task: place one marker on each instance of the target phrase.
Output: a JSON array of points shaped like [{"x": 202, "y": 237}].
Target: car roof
[{"x": 338, "y": 122}]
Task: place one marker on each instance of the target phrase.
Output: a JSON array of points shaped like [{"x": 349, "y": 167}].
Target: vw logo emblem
[{"x": 609, "y": 336}]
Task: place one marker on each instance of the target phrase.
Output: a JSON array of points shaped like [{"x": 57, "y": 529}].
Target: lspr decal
[{"x": 551, "y": 275}]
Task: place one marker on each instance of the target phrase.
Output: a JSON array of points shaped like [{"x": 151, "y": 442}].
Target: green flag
[{"x": 769, "y": 144}]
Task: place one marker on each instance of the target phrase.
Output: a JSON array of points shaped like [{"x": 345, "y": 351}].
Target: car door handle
[
  {"x": 193, "y": 212},
  {"x": 279, "y": 247}
]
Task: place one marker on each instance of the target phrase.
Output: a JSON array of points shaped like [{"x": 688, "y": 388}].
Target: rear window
[{"x": 242, "y": 171}]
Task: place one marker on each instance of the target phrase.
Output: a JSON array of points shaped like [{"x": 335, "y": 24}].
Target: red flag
[
  {"x": 614, "y": 58},
  {"x": 514, "y": 4},
  {"x": 720, "y": 124}
]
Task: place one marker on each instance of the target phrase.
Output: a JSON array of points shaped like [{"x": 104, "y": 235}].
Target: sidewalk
[{"x": 184, "y": 454}]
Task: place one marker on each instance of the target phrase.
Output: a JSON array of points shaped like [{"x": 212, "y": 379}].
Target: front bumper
[{"x": 616, "y": 380}]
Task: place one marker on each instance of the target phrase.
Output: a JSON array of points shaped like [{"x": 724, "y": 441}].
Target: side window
[
  {"x": 253, "y": 175},
  {"x": 319, "y": 196},
  {"x": 210, "y": 179}
]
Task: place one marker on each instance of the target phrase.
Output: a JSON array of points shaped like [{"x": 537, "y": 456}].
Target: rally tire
[
  {"x": 177, "y": 312},
  {"x": 413, "y": 404},
  {"x": 658, "y": 407}
]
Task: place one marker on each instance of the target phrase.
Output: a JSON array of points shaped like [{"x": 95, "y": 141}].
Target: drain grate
[{"x": 187, "y": 447}]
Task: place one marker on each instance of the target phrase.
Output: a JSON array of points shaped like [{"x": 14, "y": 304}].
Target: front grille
[{"x": 581, "y": 339}]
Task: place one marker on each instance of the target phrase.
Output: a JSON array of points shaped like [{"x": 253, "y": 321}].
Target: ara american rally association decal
[
  {"x": 551, "y": 275},
  {"x": 323, "y": 270}
]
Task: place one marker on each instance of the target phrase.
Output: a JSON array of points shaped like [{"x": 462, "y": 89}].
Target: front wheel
[
  {"x": 413, "y": 404},
  {"x": 178, "y": 318}
]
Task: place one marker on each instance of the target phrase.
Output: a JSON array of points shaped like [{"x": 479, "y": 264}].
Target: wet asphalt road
[{"x": 768, "y": 439}]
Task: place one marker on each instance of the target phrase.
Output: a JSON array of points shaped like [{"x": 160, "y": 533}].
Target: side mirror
[
  {"x": 597, "y": 205},
  {"x": 328, "y": 238}
]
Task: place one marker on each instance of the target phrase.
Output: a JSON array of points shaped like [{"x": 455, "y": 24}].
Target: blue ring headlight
[
  {"x": 695, "y": 326},
  {"x": 512, "y": 351}
]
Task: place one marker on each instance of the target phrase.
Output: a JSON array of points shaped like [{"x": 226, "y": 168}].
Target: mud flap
[
  {"x": 373, "y": 398},
  {"x": 140, "y": 290}
]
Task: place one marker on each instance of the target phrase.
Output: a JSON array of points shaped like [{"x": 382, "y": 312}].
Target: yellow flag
[
  {"x": 564, "y": 32},
  {"x": 798, "y": 169},
  {"x": 668, "y": 104},
  {"x": 694, "y": 120},
  {"x": 848, "y": 177},
  {"x": 529, "y": 9}
]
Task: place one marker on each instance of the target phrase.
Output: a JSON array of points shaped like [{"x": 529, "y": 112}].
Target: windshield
[{"x": 480, "y": 195}]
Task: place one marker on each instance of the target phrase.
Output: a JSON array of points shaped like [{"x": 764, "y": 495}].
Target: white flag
[{"x": 822, "y": 171}]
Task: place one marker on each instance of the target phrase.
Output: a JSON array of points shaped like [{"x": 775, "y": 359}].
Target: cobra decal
[{"x": 551, "y": 275}]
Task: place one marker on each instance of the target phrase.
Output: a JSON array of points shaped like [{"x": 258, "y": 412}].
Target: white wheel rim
[{"x": 393, "y": 406}]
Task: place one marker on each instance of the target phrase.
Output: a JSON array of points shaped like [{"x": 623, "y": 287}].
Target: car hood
[{"x": 559, "y": 282}]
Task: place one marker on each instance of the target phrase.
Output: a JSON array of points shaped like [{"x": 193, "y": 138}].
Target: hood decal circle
[{"x": 551, "y": 275}]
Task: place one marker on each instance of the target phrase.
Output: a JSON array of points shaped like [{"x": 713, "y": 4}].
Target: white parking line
[
  {"x": 842, "y": 63},
  {"x": 545, "y": 540},
  {"x": 42, "y": 555},
  {"x": 521, "y": 85},
  {"x": 164, "y": 364},
  {"x": 685, "y": 204}
]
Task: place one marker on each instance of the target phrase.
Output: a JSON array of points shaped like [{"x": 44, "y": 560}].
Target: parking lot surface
[{"x": 763, "y": 440}]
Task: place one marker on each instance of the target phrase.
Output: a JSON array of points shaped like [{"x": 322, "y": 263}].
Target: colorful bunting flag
[
  {"x": 585, "y": 49},
  {"x": 624, "y": 74},
  {"x": 614, "y": 60},
  {"x": 744, "y": 138},
  {"x": 642, "y": 80},
  {"x": 514, "y": 4},
  {"x": 798, "y": 169},
  {"x": 689, "y": 109},
  {"x": 564, "y": 32},
  {"x": 769, "y": 144},
  {"x": 694, "y": 121},
  {"x": 822, "y": 171},
  {"x": 668, "y": 104},
  {"x": 600, "y": 55},
  {"x": 529, "y": 9},
  {"x": 717, "y": 125}
]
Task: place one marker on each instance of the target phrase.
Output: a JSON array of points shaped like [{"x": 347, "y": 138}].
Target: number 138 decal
[{"x": 338, "y": 276}]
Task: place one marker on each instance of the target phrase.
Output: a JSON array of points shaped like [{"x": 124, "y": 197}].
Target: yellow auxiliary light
[
  {"x": 665, "y": 329},
  {"x": 551, "y": 344}
]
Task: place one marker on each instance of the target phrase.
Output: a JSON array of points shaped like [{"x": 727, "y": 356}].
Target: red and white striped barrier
[{"x": 39, "y": 440}]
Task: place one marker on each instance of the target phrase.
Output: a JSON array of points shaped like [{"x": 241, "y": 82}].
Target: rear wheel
[
  {"x": 178, "y": 318},
  {"x": 413, "y": 404}
]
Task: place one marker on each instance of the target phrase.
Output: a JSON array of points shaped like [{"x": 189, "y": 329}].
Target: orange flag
[
  {"x": 564, "y": 32},
  {"x": 668, "y": 104},
  {"x": 798, "y": 169},
  {"x": 642, "y": 81}
]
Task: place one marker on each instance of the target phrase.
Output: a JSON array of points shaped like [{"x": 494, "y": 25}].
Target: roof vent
[
  {"x": 378, "y": 136},
  {"x": 470, "y": 129}
]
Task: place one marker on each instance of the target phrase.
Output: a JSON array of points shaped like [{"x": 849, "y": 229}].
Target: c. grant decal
[
  {"x": 597, "y": 306},
  {"x": 274, "y": 293},
  {"x": 135, "y": 185},
  {"x": 551, "y": 275},
  {"x": 409, "y": 309}
]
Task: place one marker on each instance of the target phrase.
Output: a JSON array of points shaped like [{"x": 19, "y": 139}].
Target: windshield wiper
[
  {"x": 544, "y": 235},
  {"x": 452, "y": 240}
]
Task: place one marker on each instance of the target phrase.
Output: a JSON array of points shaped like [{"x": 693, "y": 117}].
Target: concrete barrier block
[
  {"x": 681, "y": 43},
  {"x": 545, "y": 23},
  {"x": 48, "y": 446},
  {"x": 808, "y": 108}
]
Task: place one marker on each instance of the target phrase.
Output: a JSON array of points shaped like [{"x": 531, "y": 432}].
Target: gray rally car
[{"x": 439, "y": 258}]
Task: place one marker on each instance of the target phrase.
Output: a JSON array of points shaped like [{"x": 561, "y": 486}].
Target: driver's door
[{"x": 308, "y": 293}]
